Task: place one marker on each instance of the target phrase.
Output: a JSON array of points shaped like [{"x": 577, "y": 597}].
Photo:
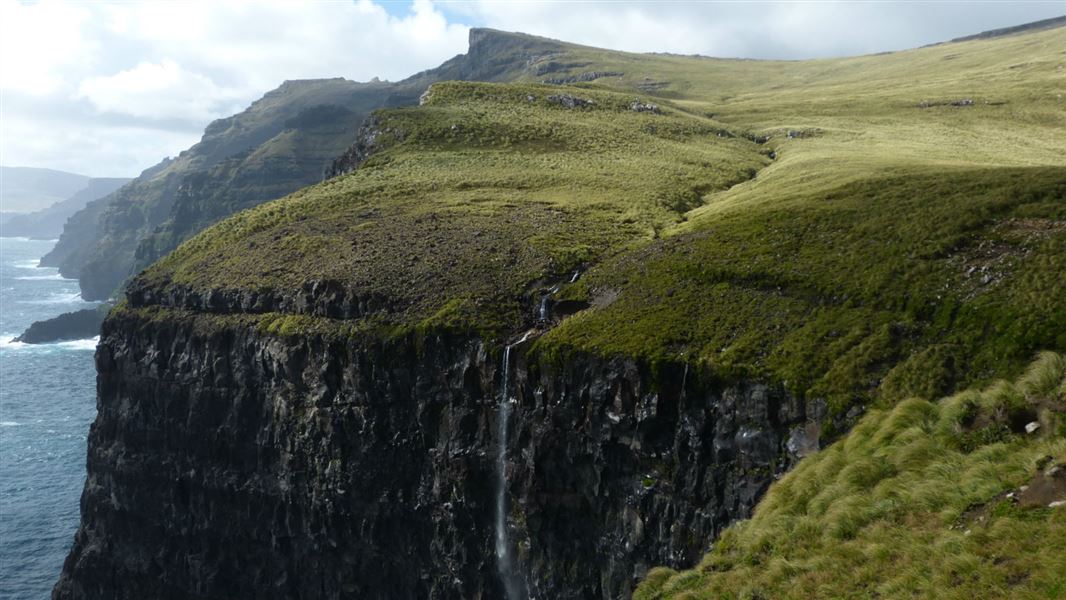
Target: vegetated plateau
[{"x": 798, "y": 249}]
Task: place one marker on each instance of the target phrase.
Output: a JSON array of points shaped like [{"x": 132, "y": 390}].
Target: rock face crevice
[{"x": 231, "y": 463}]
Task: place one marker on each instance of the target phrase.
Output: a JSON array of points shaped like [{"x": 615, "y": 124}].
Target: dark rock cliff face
[
  {"x": 358, "y": 153},
  {"x": 230, "y": 463}
]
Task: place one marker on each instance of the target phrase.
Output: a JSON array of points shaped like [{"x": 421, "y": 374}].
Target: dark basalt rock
[
  {"x": 230, "y": 463},
  {"x": 322, "y": 298},
  {"x": 77, "y": 325},
  {"x": 957, "y": 103}
]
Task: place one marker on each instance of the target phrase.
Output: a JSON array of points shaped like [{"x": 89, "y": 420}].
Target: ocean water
[{"x": 47, "y": 401}]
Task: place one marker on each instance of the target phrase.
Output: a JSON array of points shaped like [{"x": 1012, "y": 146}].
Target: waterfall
[
  {"x": 504, "y": 560},
  {"x": 545, "y": 299}
]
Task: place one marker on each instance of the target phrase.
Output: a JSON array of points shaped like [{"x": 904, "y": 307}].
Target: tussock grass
[
  {"x": 896, "y": 252},
  {"x": 474, "y": 196},
  {"x": 897, "y": 246},
  {"x": 902, "y": 507},
  {"x": 841, "y": 291}
]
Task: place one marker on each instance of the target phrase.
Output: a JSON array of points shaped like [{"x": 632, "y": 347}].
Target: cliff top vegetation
[
  {"x": 947, "y": 499},
  {"x": 861, "y": 229}
]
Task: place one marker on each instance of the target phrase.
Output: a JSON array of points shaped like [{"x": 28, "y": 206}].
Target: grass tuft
[{"x": 897, "y": 508}]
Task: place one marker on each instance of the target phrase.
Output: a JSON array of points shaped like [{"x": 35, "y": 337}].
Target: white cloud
[
  {"x": 167, "y": 65},
  {"x": 786, "y": 30},
  {"x": 40, "y": 44},
  {"x": 149, "y": 90},
  {"x": 82, "y": 145},
  {"x": 78, "y": 76}
]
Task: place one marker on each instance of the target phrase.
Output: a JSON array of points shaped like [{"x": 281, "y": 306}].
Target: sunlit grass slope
[
  {"x": 863, "y": 230},
  {"x": 473, "y": 197},
  {"x": 947, "y": 499},
  {"x": 889, "y": 284},
  {"x": 898, "y": 244},
  {"x": 860, "y": 229}
]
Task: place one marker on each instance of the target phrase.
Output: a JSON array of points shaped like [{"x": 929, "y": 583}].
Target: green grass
[
  {"x": 837, "y": 290},
  {"x": 486, "y": 193},
  {"x": 905, "y": 505},
  {"x": 899, "y": 245}
]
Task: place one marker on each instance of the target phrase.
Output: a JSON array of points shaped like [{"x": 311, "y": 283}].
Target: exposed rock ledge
[
  {"x": 239, "y": 464},
  {"x": 77, "y": 325}
]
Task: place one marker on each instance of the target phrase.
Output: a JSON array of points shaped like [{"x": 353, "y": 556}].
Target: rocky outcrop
[
  {"x": 1023, "y": 28},
  {"x": 639, "y": 106},
  {"x": 321, "y": 298},
  {"x": 570, "y": 101},
  {"x": 226, "y": 462},
  {"x": 76, "y": 325},
  {"x": 366, "y": 143},
  {"x": 582, "y": 77}
]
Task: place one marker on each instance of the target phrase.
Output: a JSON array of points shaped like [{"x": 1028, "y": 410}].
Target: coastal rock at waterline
[
  {"x": 77, "y": 325},
  {"x": 226, "y": 462}
]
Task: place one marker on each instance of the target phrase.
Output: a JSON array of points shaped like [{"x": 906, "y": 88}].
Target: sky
[{"x": 111, "y": 88}]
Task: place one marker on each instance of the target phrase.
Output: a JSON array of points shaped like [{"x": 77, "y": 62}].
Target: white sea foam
[
  {"x": 59, "y": 298},
  {"x": 28, "y": 264},
  {"x": 7, "y": 342},
  {"x": 9, "y": 424},
  {"x": 50, "y": 277},
  {"x": 88, "y": 344}
]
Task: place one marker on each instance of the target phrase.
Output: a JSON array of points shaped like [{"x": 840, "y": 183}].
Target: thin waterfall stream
[
  {"x": 512, "y": 582},
  {"x": 545, "y": 300},
  {"x": 504, "y": 559}
]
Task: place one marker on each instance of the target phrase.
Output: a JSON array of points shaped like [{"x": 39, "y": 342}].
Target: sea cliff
[{"x": 229, "y": 461}]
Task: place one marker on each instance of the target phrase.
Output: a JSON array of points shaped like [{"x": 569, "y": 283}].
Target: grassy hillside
[
  {"x": 897, "y": 238},
  {"x": 860, "y": 229},
  {"x": 491, "y": 189},
  {"x": 887, "y": 285},
  {"x": 281, "y": 143},
  {"x": 241, "y": 161},
  {"x": 948, "y": 499}
]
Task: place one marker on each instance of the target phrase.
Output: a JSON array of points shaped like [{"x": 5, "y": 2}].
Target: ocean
[{"x": 47, "y": 401}]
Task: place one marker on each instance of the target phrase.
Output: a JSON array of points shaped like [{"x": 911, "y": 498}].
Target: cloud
[
  {"x": 150, "y": 90},
  {"x": 102, "y": 148},
  {"x": 40, "y": 44},
  {"x": 256, "y": 42},
  {"x": 111, "y": 88},
  {"x": 782, "y": 30},
  {"x": 155, "y": 73}
]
